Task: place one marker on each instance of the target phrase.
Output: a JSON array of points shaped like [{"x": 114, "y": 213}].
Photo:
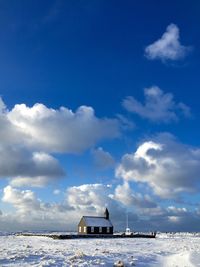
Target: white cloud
[
  {"x": 176, "y": 214},
  {"x": 56, "y": 192},
  {"x": 25, "y": 201},
  {"x": 61, "y": 130},
  {"x": 30, "y": 213},
  {"x": 29, "y": 134},
  {"x": 25, "y": 166},
  {"x": 168, "y": 47},
  {"x": 158, "y": 106},
  {"x": 124, "y": 194},
  {"x": 103, "y": 159},
  {"x": 176, "y": 210},
  {"x": 36, "y": 181},
  {"x": 2, "y": 106},
  {"x": 91, "y": 199},
  {"x": 165, "y": 165},
  {"x": 88, "y": 197}
]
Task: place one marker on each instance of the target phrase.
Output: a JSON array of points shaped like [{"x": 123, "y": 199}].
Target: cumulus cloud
[
  {"x": 168, "y": 47},
  {"x": 124, "y": 194},
  {"x": 88, "y": 197},
  {"x": 33, "y": 213},
  {"x": 30, "y": 134},
  {"x": 164, "y": 164},
  {"x": 19, "y": 162},
  {"x": 61, "y": 130},
  {"x": 27, "y": 168},
  {"x": 25, "y": 201},
  {"x": 91, "y": 199},
  {"x": 102, "y": 159},
  {"x": 158, "y": 106}
]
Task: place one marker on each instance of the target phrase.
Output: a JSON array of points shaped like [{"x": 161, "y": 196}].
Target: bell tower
[{"x": 106, "y": 214}]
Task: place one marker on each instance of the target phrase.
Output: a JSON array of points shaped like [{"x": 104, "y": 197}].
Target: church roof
[{"x": 97, "y": 221}]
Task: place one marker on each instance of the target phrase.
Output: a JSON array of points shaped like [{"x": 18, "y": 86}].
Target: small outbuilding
[{"x": 96, "y": 225}]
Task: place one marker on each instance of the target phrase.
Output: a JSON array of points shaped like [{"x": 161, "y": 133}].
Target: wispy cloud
[
  {"x": 168, "y": 47},
  {"x": 158, "y": 106}
]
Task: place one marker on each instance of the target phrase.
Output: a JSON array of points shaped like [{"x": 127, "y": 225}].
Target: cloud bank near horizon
[{"x": 31, "y": 213}]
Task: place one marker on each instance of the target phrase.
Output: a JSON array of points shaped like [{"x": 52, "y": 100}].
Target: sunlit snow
[{"x": 166, "y": 250}]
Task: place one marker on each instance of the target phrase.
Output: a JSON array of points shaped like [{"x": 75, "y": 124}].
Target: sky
[{"x": 99, "y": 107}]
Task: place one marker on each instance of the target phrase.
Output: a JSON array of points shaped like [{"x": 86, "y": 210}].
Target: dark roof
[{"x": 97, "y": 221}]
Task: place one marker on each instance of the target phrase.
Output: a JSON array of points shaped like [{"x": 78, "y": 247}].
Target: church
[{"x": 96, "y": 225}]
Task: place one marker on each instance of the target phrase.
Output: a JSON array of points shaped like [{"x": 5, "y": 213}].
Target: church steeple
[{"x": 106, "y": 214}]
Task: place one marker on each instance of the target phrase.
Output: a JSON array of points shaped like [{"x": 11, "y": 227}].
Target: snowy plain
[{"x": 166, "y": 250}]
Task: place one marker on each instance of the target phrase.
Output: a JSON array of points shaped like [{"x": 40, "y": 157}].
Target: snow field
[{"x": 180, "y": 250}]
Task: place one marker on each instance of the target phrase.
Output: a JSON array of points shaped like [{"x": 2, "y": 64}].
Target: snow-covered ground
[{"x": 166, "y": 250}]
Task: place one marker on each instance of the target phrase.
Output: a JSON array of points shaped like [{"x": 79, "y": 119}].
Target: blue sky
[{"x": 99, "y": 107}]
